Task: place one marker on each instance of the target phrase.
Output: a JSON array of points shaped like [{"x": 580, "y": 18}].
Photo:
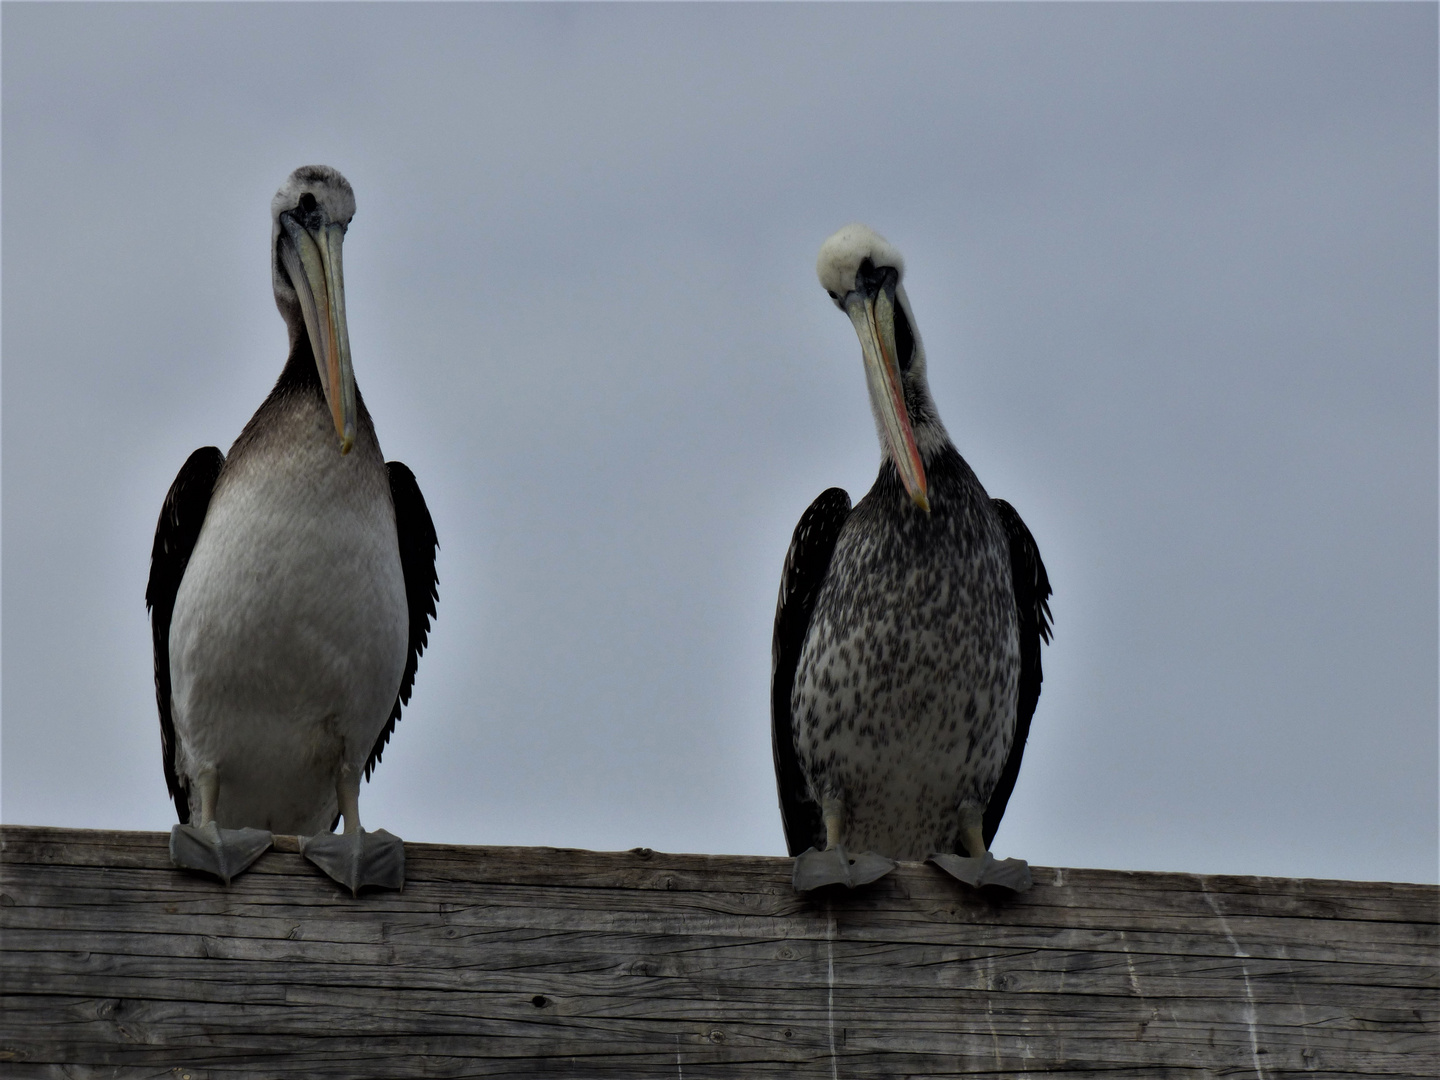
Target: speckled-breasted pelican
[{"x": 908, "y": 631}]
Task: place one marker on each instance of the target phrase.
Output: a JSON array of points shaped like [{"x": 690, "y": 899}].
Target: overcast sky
[{"x": 1175, "y": 267}]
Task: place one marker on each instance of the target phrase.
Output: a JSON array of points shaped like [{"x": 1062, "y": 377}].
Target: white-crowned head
[
  {"x": 863, "y": 274},
  {"x": 841, "y": 256}
]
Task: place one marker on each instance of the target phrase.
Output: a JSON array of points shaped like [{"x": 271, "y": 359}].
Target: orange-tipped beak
[{"x": 874, "y": 320}]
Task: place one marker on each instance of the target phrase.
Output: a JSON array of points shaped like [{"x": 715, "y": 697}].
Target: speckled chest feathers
[{"x": 905, "y": 695}]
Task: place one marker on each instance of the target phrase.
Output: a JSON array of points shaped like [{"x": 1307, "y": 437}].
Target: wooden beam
[{"x": 556, "y": 963}]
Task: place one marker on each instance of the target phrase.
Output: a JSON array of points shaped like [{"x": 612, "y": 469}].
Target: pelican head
[
  {"x": 309, "y": 216},
  {"x": 862, "y": 272}
]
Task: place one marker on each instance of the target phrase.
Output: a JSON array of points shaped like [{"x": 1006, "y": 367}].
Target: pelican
[
  {"x": 906, "y": 658},
  {"x": 292, "y": 583}
]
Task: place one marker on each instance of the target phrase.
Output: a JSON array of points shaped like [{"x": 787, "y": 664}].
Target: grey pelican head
[
  {"x": 309, "y": 216},
  {"x": 863, "y": 273}
]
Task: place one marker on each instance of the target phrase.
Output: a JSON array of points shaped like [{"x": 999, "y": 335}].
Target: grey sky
[{"x": 1175, "y": 268}]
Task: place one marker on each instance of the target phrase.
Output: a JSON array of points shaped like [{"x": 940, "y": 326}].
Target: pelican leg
[
  {"x": 356, "y": 858},
  {"x": 206, "y": 847},
  {"x": 834, "y": 865},
  {"x": 982, "y": 869}
]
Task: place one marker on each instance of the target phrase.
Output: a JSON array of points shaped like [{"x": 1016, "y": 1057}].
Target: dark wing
[
  {"x": 416, "y": 534},
  {"x": 175, "y": 534},
  {"x": 806, "y": 564},
  {"x": 1032, "y": 595}
]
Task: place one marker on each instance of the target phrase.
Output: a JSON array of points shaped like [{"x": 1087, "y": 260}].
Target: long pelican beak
[
  {"x": 874, "y": 321},
  {"x": 312, "y": 259}
]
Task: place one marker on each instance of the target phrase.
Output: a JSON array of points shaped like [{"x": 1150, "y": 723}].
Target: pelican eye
[{"x": 307, "y": 203}]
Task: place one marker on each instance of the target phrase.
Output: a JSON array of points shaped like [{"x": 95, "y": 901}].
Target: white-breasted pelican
[{"x": 292, "y": 583}]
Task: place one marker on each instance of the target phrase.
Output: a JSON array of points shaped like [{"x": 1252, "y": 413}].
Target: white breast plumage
[
  {"x": 290, "y": 627},
  {"x": 291, "y": 589}
]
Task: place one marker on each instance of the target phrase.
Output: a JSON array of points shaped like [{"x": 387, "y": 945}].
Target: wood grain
[{"x": 518, "y": 962}]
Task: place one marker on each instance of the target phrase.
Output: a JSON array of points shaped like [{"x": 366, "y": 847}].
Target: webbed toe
[
  {"x": 835, "y": 866},
  {"x": 358, "y": 859},
  {"x": 1012, "y": 874},
  {"x": 224, "y": 853}
]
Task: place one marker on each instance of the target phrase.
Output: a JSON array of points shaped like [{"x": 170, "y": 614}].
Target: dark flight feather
[
  {"x": 806, "y": 564},
  {"x": 181, "y": 517},
  {"x": 418, "y": 543},
  {"x": 1032, "y": 594}
]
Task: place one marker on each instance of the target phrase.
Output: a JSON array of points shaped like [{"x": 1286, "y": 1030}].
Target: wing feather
[
  {"x": 1032, "y": 595},
  {"x": 181, "y": 517},
  {"x": 806, "y": 564},
  {"x": 415, "y": 532}
]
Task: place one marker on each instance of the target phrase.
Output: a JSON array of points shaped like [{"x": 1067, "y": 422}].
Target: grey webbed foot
[
  {"x": 1012, "y": 874},
  {"x": 835, "y": 866},
  {"x": 226, "y": 853},
  {"x": 358, "y": 858}
]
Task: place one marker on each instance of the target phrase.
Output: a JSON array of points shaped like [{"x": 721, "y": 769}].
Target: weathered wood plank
[
  {"x": 754, "y": 876},
  {"x": 546, "y": 962}
]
